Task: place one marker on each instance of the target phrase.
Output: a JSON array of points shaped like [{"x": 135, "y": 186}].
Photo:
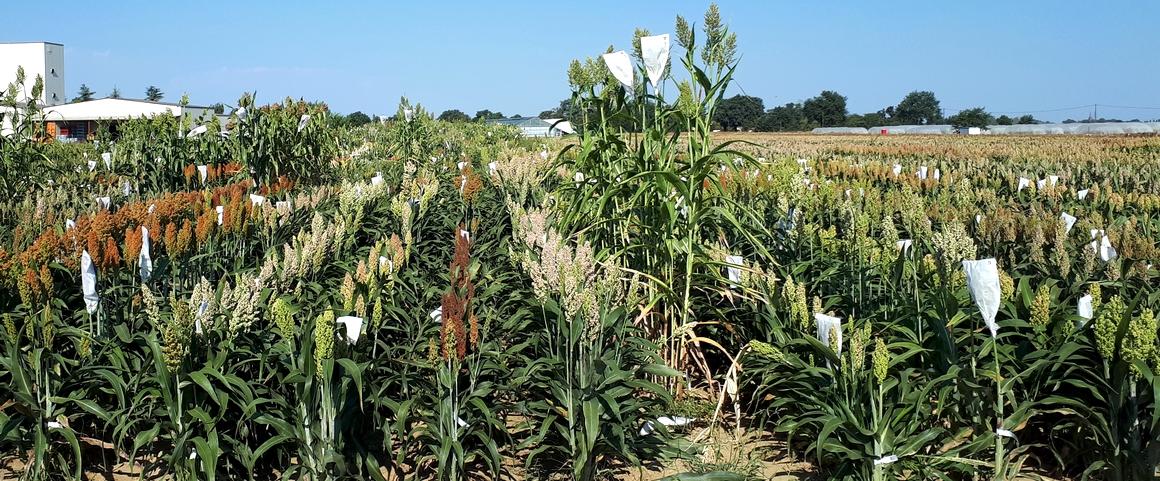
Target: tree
[
  {"x": 867, "y": 120},
  {"x": 358, "y": 119},
  {"x": 919, "y": 108},
  {"x": 453, "y": 115},
  {"x": 487, "y": 115},
  {"x": 115, "y": 94},
  {"x": 786, "y": 118},
  {"x": 828, "y": 109},
  {"x": 153, "y": 94},
  {"x": 562, "y": 111},
  {"x": 739, "y": 112},
  {"x": 218, "y": 108},
  {"x": 84, "y": 94},
  {"x": 1004, "y": 120},
  {"x": 1026, "y": 120},
  {"x": 976, "y": 117}
]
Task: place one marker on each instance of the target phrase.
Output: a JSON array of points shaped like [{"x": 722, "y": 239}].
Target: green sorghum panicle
[
  {"x": 1107, "y": 323},
  {"x": 85, "y": 347},
  {"x": 176, "y": 335},
  {"x": 881, "y": 360},
  {"x": 377, "y": 313},
  {"x": 1140, "y": 340},
  {"x": 48, "y": 326},
  {"x": 1006, "y": 285},
  {"x": 283, "y": 319},
  {"x": 889, "y": 233},
  {"x": 10, "y": 327},
  {"x": 858, "y": 343},
  {"x": 765, "y": 350},
  {"x": 834, "y": 345},
  {"x": 323, "y": 341},
  {"x": 1097, "y": 295},
  {"x": 1041, "y": 308}
]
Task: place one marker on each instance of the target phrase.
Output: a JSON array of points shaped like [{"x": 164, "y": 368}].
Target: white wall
[{"x": 43, "y": 59}]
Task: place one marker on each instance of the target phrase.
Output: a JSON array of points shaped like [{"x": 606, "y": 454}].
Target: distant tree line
[{"x": 828, "y": 109}]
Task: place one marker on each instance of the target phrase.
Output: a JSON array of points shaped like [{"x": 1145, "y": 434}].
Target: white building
[
  {"x": 44, "y": 59},
  {"x": 535, "y": 127},
  {"x": 77, "y": 121}
]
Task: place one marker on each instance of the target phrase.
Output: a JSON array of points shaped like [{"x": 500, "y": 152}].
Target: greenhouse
[
  {"x": 839, "y": 131},
  {"x": 1102, "y": 128},
  {"x": 913, "y": 129}
]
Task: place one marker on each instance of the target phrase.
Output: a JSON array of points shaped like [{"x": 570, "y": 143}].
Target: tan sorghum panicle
[
  {"x": 1035, "y": 248},
  {"x": 347, "y": 291},
  {"x": 1059, "y": 255},
  {"x": 150, "y": 307},
  {"x": 362, "y": 273},
  {"x": 203, "y": 303},
  {"x": 360, "y": 306},
  {"x": 1112, "y": 270}
]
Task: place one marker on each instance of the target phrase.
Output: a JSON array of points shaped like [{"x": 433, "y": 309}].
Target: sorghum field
[{"x": 278, "y": 297}]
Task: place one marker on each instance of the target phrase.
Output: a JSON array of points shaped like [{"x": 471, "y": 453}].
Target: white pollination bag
[
  {"x": 621, "y": 67},
  {"x": 1107, "y": 252},
  {"x": 1081, "y": 195},
  {"x": 1068, "y": 221},
  {"x": 89, "y": 282},
  {"x": 903, "y": 245},
  {"x": 202, "y": 172},
  {"x": 983, "y": 282},
  {"x": 220, "y": 213},
  {"x": 256, "y": 200},
  {"x": 200, "y": 129},
  {"x": 1023, "y": 184},
  {"x": 654, "y": 50},
  {"x": 1084, "y": 309},
  {"x": 826, "y": 324},
  {"x": 353, "y": 326},
  {"x": 733, "y": 272},
  {"x": 144, "y": 260},
  {"x": 305, "y": 119}
]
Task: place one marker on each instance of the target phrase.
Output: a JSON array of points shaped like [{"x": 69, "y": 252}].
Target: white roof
[{"x": 118, "y": 109}]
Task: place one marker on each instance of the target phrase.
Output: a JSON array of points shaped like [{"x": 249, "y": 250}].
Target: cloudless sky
[{"x": 512, "y": 56}]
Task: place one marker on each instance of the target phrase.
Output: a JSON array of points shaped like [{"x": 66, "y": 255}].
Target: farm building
[
  {"x": 76, "y": 121},
  {"x": 532, "y": 126},
  {"x": 43, "y": 59}
]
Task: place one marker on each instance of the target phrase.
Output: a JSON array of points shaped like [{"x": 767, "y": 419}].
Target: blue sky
[{"x": 1026, "y": 55}]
